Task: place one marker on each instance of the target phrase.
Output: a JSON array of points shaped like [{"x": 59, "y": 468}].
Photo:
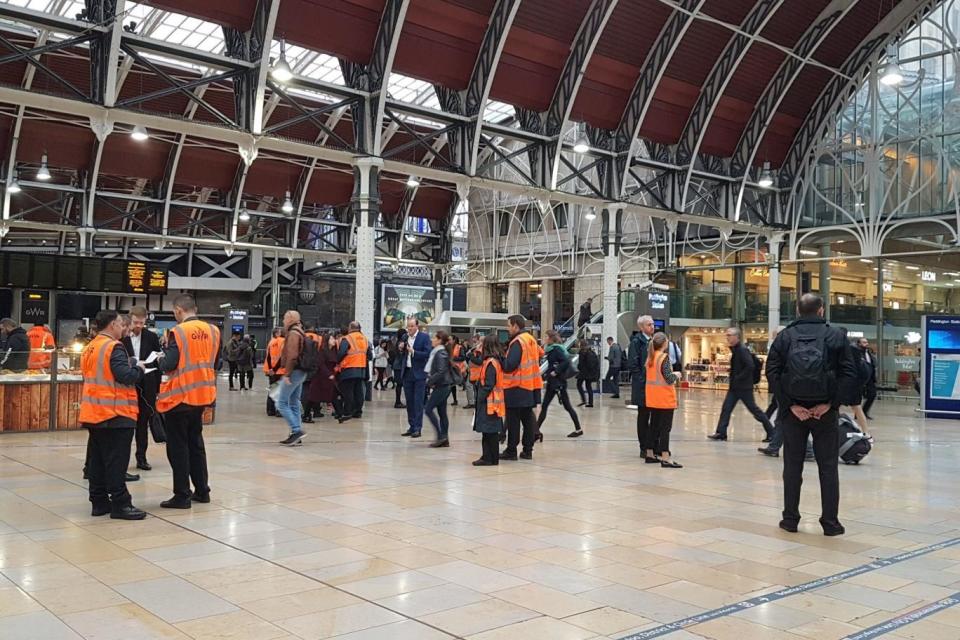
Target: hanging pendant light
[
  {"x": 43, "y": 173},
  {"x": 281, "y": 71},
  {"x": 14, "y": 186},
  {"x": 582, "y": 143},
  {"x": 413, "y": 182},
  {"x": 244, "y": 216},
  {"x": 228, "y": 250},
  {"x": 411, "y": 237},
  {"x": 287, "y": 203},
  {"x": 590, "y": 215},
  {"x": 139, "y": 133},
  {"x": 766, "y": 176},
  {"x": 891, "y": 74}
]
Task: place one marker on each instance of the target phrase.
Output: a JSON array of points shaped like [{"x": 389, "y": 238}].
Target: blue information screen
[{"x": 941, "y": 366}]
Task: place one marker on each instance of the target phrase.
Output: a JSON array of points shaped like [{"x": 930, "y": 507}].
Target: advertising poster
[
  {"x": 398, "y": 302},
  {"x": 940, "y": 374}
]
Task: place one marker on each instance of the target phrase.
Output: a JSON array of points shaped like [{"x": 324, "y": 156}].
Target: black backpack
[
  {"x": 757, "y": 368},
  {"x": 808, "y": 378},
  {"x": 309, "y": 359}
]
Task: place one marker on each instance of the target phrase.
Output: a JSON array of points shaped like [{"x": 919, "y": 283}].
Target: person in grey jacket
[
  {"x": 615, "y": 358},
  {"x": 439, "y": 380}
]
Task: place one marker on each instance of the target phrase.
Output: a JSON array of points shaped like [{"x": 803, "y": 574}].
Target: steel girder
[{"x": 858, "y": 65}]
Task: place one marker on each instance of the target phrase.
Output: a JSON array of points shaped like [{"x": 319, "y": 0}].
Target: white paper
[
  {"x": 146, "y": 371},
  {"x": 152, "y": 357}
]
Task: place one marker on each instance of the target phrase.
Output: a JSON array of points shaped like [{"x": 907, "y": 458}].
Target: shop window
[
  {"x": 564, "y": 305},
  {"x": 499, "y": 297}
]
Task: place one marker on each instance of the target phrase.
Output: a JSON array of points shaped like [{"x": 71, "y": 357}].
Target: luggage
[{"x": 854, "y": 446}]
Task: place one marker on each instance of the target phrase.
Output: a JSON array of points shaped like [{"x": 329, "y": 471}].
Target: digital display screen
[
  {"x": 18, "y": 270},
  {"x": 91, "y": 271},
  {"x": 158, "y": 278},
  {"x": 43, "y": 273},
  {"x": 68, "y": 272},
  {"x": 136, "y": 277},
  {"x": 114, "y": 276}
]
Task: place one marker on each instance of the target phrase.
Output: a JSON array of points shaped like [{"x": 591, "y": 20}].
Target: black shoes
[
  {"x": 440, "y": 443},
  {"x": 574, "y": 434},
  {"x": 717, "y": 436},
  {"x": 293, "y": 439},
  {"x": 789, "y": 526},
  {"x": 616, "y": 397},
  {"x": 484, "y": 463},
  {"x": 831, "y": 529},
  {"x": 582, "y": 404},
  {"x": 100, "y": 509},
  {"x": 132, "y": 477},
  {"x": 203, "y": 498},
  {"x": 670, "y": 464},
  {"x": 651, "y": 459},
  {"x": 415, "y": 434},
  {"x": 526, "y": 455},
  {"x": 177, "y": 502},
  {"x": 308, "y": 420},
  {"x": 504, "y": 455},
  {"x": 769, "y": 451},
  {"x": 143, "y": 465},
  {"x": 128, "y": 512},
  {"x": 407, "y": 433},
  {"x": 453, "y": 404},
  {"x": 589, "y": 406},
  {"x": 469, "y": 406},
  {"x": 767, "y": 439},
  {"x": 398, "y": 405},
  {"x": 538, "y": 437}
]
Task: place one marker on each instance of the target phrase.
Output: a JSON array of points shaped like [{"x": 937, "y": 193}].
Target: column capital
[{"x": 368, "y": 162}]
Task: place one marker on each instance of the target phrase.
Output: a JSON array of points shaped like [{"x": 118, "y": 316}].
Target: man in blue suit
[{"x": 414, "y": 377}]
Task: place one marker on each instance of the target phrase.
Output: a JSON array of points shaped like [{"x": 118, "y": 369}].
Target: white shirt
[
  {"x": 411, "y": 338},
  {"x": 135, "y": 342},
  {"x": 675, "y": 353}
]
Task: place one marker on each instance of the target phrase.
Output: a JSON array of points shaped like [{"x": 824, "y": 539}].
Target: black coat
[
  {"x": 558, "y": 362},
  {"x": 440, "y": 375},
  {"x": 483, "y": 423},
  {"x": 150, "y": 385},
  {"x": 517, "y": 398},
  {"x": 17, "y": 351},
  {"x": 741, "y": 368},
  {"x": 588, "y": 365},
  {"x": 637, "y": 363}
]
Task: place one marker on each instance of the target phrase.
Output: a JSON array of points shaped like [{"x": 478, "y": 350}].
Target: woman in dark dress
[{"x": 323, "y": 386}]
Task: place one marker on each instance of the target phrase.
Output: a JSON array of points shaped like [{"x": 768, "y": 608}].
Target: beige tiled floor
[{"x": 362, "y": 535}]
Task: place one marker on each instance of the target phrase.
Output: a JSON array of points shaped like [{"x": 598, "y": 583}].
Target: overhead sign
[
  {"x": 137, "y": 277},
  {"x": 34, "y": 307},
  {"x": 928, "y": 276},
  {"x": 658, "y": 300}
]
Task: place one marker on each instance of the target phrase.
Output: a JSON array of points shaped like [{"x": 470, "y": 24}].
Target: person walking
[
  {"x": 245, "y": 363},
  {"x": 291, "y": 384},
  {"x": 853, "y": 396},
  {"x": 615, "y": 361},
  {"x": 140, "y": 343},
  {"x": 190, "y": 360},
  {"x": 808, "y": 368},
  {"x": 272, "y": 366},
  {"x": 109, "y": 411},
  {"x": 870, "y": 372},
  {"x": 457, "y": 368},
  {"x": 588, "y": 365},
  {"x": 522, "y": 386},
  {"x": 661, "y": 398},
  {"x": 231, "y": 351},
  {"x": 491, "y": 407},
  {"x": 740, "y": 388},
  {"x": 637, "y": 359},
  {"x": 398, "y": 353},
  {"x": 380, "y": 361},
  {"x": 585, "y": 314},
  {"x": 439, "y": 381},
  {"x": 558, "y": 366},
  {"x": 354, "y": 358},
  {"x": 418, "y": 350}
]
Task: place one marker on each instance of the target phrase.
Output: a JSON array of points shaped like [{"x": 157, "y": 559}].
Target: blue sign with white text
[{"x": 940, "y": 360}]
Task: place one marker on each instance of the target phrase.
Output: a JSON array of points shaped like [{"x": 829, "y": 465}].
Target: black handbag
[{"x": 157, "y": 428}]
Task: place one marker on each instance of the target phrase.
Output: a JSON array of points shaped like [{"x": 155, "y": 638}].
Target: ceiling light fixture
[
  {"x": 139, "y": 133},
  {"x": 244, "y": 216},
  {"x": 228, "y": 250},
  {"x": 866, "y": 260},
  {"x": 14, "y": 186},
  {"x": 912, "y": 267},
  {"x": 590, "y": 214},
  {"x": 413, "y": 182},
  {"x": 808, "y": 252},
  {"x": 287, "y": 203},
  {"x": 43, "y": 173},
  {"x": 581, "y": 144},
  {"x": 766, "y": 176},
  {"x": 891, "y": 74},
  {"x": 281, "y": 71},
  {"x": 411, "y": 238}
]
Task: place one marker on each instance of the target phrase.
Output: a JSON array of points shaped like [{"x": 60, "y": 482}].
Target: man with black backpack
[
  {"x": 809, "y": 368},
  {"x": 744, "y": 374}
]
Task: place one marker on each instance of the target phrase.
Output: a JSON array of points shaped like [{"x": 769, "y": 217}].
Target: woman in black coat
[
  {"x": 588, "y": 364},
  {"x": 851, "y": 393},
  {"x": 485, "y": 423},
  {"x": 323, "y": 384},
  {"x": 439, "y": 380},
  {"x": 558, "y": 364}
]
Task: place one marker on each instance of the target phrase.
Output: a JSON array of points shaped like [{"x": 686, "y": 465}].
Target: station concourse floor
[{"x": 362, "y": 534}]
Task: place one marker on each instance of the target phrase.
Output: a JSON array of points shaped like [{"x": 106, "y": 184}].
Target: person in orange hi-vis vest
[
  {"x": 271, "y": 366},
  {"x": 189, "y": 385},
  {"x": 41, "y": 344},
  {"x": 491, "y": 406},
  {"x": 522, "y": 388},
  {"x": 661, "y": 398},
  {"x": 108, "y": 410},
  {"x": 473, "y": 359},
  {"x": 354, "y": 354}
]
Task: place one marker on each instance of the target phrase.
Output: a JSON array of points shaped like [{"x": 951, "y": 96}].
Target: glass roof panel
[
  {"x": 412, "y": 91},
  {"x": 310, "y": 64}
]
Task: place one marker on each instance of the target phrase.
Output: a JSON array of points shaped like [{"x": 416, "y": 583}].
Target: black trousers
[
  {"x": 234, "y": 370},
  {"x": 353, "y": 391},
  {"x": 746, "y": 397},
  {"x": 398, "y": 389},
  {"x": 826, "y": 449},
  {"x": 516, "y": 417},
  {"x": 613, "y": 374},
  {"x": 249, "y": 375},
  {"x": 143, "y": 429},
  {"x": 186, "y": 453},
  {"x": 108, "y": 453},
  {"x": 560, "y": 392},
  {"x": 585, "y": 387},
  {"x": 271, "y": 406},
  {"x": 661, "y": 423},
  {"x": 772, "y": 407},
  {"x": 645, "y": 434},
  {"x": 491, "y": 448},
  {"x": 869, "y": 395}
]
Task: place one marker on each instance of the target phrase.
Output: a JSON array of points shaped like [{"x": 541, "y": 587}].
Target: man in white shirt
[
  {"x": 140, "y": 343},
  {"x": 676, "y": 356},
  {"x": 415, "y": 376}
]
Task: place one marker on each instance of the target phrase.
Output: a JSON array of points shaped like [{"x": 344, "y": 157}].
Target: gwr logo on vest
[{"x": 199, "y": 335}]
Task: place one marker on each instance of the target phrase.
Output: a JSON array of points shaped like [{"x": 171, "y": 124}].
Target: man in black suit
[
  {"x": 870, "y": 375},
  {"x": 140, "y": 343}
]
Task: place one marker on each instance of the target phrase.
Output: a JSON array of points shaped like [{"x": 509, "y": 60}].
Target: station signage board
[{"x": 34, "y": 307}]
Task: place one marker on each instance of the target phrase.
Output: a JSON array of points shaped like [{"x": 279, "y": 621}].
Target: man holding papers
[{"x": 140, "y": 344}]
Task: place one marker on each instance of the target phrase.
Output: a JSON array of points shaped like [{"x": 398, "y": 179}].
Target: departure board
[
  {"x": 114, "y": 276},
  {"x": 91, "y": 271},
  {"x": 78, "y": 273},
  {"x": 137, "y": 279},
  {"x": 42, "y": 275},
  {"x": 68, "y": 272},
  {"x": 18, "y": 270},
  {"x": 158, "y": 279}
]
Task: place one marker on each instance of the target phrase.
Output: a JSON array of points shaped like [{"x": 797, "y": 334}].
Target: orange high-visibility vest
[
  {"x": 356, "y": 357},
  {"x": 474, "y": 369},
  {"x": 40, "y": 340},
  {"x": 495, "y": 402},
  {"x": 660, "y": 394},
  {"x": 527, "y": 375},
  {"x": 461, "y": 366},
  {"x": 274, "y": 352},
  {"x": 315, "y": 337},
  {"x": 194, "y": 381},
  {"x": 102, "y": 398}
]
